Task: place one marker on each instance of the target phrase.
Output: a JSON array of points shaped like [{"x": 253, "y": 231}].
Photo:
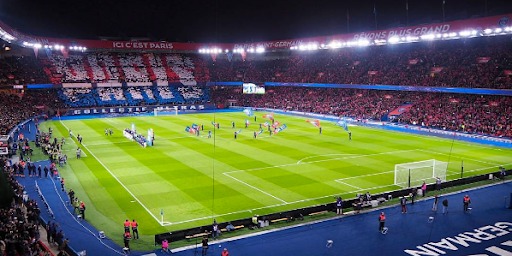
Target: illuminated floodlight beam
[
  {"x": 393, "y": 40},
  {"x": 363, "y": 43},
  {"x": 465, "y": 33}
]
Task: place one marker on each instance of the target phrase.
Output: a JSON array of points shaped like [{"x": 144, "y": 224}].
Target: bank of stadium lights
[
  {"x": 6, "y": 36},
  {"x": 56, "y": 47},
  {"x": 211, "y": 50},
  {"x": 77, "y": 48},
  {"x": 403, "y": 39},
  {"x": 215, "y": 50}
]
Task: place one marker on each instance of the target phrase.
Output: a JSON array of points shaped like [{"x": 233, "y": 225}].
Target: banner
[
  {"x": 315, "y": 122},
  {"x": 248, "y": 111},
  {"x": 483, "y": 60},
  {"x": 269, "y": 116},
  {"x": 113, "y": 110},
  {"x": 280, "y": 129},
  {"x": 400, "y": 110},
  {"x": 190, "y": 130}
]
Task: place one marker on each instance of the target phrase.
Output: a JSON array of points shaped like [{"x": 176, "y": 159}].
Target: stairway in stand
[
  {"x": 171, "y": 75},
  {"x": 88, "y": 68},
  {"x": 147, "y": 63}
]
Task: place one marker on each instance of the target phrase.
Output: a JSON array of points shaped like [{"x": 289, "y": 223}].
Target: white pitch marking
[
  {"x": 324, "y": 160},
  {"x": 339, "y": 181},
  {"x": 277, "y": 205},
  {"x": 117, "y": 179},
  {"x": 300, "y": 161},
  {"x": 469, "y": 159},
  {"x": 305, "y": 200},
  {"x": 253, "y": 187},
  {"x": 365, "y": 175}
]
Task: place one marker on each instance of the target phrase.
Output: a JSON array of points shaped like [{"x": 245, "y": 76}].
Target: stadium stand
[
  {"x": 483, "y": 62},
  {"x": 19, "y": 224}
]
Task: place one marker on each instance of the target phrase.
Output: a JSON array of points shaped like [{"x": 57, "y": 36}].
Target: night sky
[{"x": 229, "y": 20}]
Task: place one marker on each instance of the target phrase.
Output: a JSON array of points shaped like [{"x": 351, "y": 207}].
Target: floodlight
[
  {"x": 260, "y": 50},
  {"x": 487, "y": 31},
  {"x": 465, "y": 33},
  {"x": 37, "y": 46},
  {"x": 393, "y": 40},
  {"x": 411, "y": 38},
  {"x": 226, "y": 51},
  {"x": 363, "y": 42},
  {"x": 498, "y": 30}
]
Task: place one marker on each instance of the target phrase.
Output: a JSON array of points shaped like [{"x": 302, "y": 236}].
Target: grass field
[{"x": 193, "y": 180}]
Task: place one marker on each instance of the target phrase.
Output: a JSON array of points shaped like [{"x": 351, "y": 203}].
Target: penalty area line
[
  {"x": 344, "y": 183},
  {"x": 255, "y": 188}
]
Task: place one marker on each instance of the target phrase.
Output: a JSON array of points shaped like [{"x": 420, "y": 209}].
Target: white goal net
[
  {"x": 165, "y": 111},
  {"x": 415, "y": 173}
]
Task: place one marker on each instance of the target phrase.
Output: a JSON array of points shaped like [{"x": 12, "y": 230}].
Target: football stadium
[{"x": 302, "y": 146}]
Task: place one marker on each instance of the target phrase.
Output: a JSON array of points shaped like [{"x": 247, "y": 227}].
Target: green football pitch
[{"x": 186, "y": 180}]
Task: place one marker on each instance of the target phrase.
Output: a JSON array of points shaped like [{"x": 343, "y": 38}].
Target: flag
[
  {"x": 248, "y": 111},
  {"x": 315, "y": 122},
  {"x": 269, "y": 116},
  {"x": 343, "y": 123},
  {"x": 190, "y": 130},
  {"x": 162, "y": 212},
  {"x": 413, "y": 61},
  {"x": 280, "y": 129},
  {"x": 483, "y": 60}
]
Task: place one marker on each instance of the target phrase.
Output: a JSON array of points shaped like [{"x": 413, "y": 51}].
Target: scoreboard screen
[{"x": 251, "y": 88}]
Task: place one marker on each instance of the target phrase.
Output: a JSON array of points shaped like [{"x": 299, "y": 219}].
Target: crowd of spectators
[
  {"x": 16, "y": 107},
  {"x": 477, "y": 62},
  {"x": 484, "y": 62},
  {"x": 21, "y": 69},
  {"x": 19, "y": 224}
]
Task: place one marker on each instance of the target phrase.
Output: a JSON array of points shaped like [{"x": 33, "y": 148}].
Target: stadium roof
[{"x": 229, "y": 20}]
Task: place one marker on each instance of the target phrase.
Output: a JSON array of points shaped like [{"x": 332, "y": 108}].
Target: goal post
[
  {"x": 413, "y": 174},
  {"x": 165, "y": 110}
]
